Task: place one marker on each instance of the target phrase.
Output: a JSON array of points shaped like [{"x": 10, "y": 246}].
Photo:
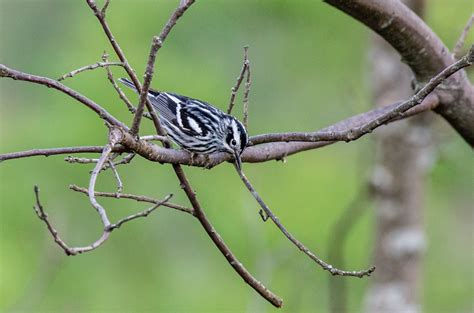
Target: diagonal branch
[
  {"x": 51, "y": 83},
  {"x": 422, "y": 50},
  {"x": 140, "y": 214},
  {"x": 357, "y": 132},
  {"x": 216, "y": 238},
  {"x": 296, "y": 242},
  {"x": 155, "y": 45},
  {"x": 460, "y": 43}
]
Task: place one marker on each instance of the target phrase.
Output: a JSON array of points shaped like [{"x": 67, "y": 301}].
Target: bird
[{"x": 197, "y": 126}]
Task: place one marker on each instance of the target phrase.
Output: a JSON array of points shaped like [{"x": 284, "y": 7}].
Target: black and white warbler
[{"x": 197, "y": 126}]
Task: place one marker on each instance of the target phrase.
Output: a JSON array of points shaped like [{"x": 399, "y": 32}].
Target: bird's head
[{"x": 235, "y": 139}]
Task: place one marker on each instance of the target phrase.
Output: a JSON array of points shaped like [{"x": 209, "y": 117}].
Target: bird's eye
[{"x": 233, "y": 142}]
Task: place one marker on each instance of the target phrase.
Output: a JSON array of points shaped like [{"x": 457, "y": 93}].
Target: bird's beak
[{"x": 238, "y": 162}]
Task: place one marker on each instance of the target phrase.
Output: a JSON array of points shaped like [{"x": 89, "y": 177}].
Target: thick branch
[
  {"x": 422, "y": 51},
  {"x": 263, "y": 149}
]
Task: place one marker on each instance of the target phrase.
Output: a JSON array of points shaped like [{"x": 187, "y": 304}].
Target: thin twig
[
  {"x": 132, "y": 197},
  {"x": 104, "y": 8},
  {"x": 44, "y": 217},
  {"x": 125, "y": 160},
  {"x": 155, "y": 46},
  {"x": 460, "y": 43},
  {"x": 48, "y": 82},
  {"x": 140, "y": 214},
  {"x": 110, "y": 76},
  {"x": 296, "y": 242},
  {"x": 240, "y": 78},
  {"x": 220, "y": 244},
  {"x": 245, "y": 101},
  {"x": 72, "y": 159},
  {"x": 107, "y": 230},
  {"x": 89, "y": 67},
  {"x": 117, "y": 176},
  {"x": 56, "y": 151}
]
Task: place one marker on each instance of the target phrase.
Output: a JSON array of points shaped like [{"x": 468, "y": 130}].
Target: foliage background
[{"x": 310, "y": 69}]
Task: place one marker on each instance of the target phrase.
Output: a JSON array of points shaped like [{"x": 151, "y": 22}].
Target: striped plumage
[{"x": 197, "y": 126}]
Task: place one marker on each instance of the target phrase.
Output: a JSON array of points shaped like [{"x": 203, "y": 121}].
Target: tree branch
[
  {"x": 132, "y": 197},
  {"x": 155, "y": 45},
  {"x": 56, "y": 151},
  {"x": 240, "y": 78},
  {"x": 355, "y": 133},
  {"x": 460, "y": 43},
  {"x": 296, "y": 242},
  {"x": 422, "y": 51},
  {"x": 89, "y": 67},
  {"x": 258, "y": 286},
  {"x": 51, "y": 83}
]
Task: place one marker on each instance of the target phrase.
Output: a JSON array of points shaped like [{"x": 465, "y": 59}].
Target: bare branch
[
  {"x": 460, "y": 43},
  {"x": 132, "y": 197},
  {"x": 258, "y": 286},
  {"x": 355, "y": 133},
  {"x": 155, "y": 137},
  {"x": 89, "y": 67},
  {"x": 216, "y": 238},
  {"x": 107, "y": 230},
  {"x": 183, "y": 6},
  {"x": 240, "y": 78},
  {"x": 119, "y": 91},
  {"x": 48, "y": 82},
  {"x": 262, "y": 149},
  {"x": 155, "y": 46},
  {"x": 104, "y": 8},
  {"x": 114, "y": 137},
  {"x": 248, "y": 83},
  {"x": 72, "y": 159},
  {"x": 56, "y": 151},
  {"x": 296, "y": 242},
  {"x": 117, "y": 176},
  {"x": 140, "y": 214},
  {"x": 422, "y": 50},
  {"x": 44, "y": 217}
]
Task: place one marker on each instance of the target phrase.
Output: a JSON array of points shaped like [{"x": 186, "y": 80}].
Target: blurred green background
[{"x": 310, "y": 69}]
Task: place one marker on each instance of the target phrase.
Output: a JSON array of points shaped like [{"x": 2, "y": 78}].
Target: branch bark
[{"x": 422, "y": 50}]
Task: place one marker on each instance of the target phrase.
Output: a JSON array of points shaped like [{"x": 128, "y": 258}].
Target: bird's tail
[{"x": 127, "y": 83}]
